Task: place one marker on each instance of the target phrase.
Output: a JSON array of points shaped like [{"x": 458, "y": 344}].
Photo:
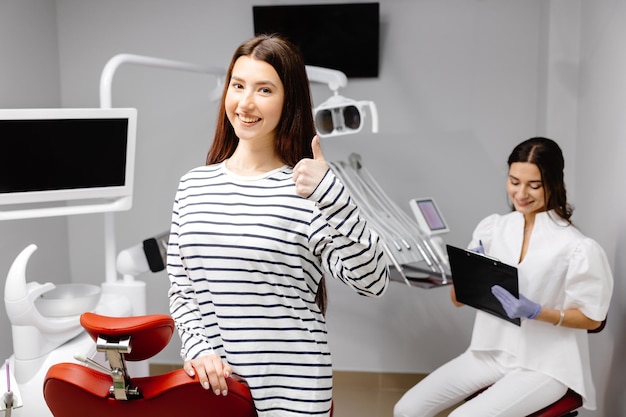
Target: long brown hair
[
  {"x": 295, "y": 129},
  {"x": 548, "y": 157}
]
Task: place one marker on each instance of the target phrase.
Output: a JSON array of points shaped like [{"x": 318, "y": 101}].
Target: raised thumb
[{"x": 317, "y": 148}]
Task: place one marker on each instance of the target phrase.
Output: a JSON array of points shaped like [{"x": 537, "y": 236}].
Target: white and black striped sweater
[{"x": 245, "y": 258}]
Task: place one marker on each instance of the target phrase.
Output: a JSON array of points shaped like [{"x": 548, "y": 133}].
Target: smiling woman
[{"x": 254, "y": 234}]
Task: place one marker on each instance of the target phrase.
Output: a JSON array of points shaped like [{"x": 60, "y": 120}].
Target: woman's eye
[{"x": 266, "y": 90}]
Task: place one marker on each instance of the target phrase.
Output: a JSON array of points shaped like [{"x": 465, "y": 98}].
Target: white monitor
[
  {"x": 428, "y": 216},
  {"x": 62, "y": 161}
]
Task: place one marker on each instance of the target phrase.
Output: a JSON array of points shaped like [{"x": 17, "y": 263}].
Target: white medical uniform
[
  {"x": 562, "y": 269},
  {"x": 533, "y": 364}
]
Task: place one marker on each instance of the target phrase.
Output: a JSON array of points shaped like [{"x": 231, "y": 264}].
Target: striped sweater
[{"x": 245, "y": 258}]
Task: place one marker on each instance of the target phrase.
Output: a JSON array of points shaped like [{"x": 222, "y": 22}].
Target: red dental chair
[{"x": 75, "y": 390}]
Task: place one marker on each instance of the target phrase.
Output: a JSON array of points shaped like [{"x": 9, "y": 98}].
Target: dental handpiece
[
  {"x": 8, "y": 401},
  {"x": 90, "y": 362},
  {"x": 6, "y": 366},
  {"x": 8, "y": 396}
]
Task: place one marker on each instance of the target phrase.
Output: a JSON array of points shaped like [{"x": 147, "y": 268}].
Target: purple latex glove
[
  {"x": 516, "y": 308},
  {"x": 479, "y": 249}
]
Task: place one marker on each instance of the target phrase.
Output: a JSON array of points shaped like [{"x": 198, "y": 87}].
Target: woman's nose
[
  {"x": 522, "y": 192},
  {"x": 247, "y": 100}
]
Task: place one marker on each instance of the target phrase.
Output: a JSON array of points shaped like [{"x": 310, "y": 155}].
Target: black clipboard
[{"x": 474, "y": 274}]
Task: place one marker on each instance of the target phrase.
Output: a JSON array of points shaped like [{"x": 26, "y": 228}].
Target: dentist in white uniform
[{"x": 565, "y": 285}]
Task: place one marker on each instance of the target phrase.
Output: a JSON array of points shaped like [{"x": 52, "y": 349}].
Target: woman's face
[
  {"x": 525, "y": 188},
  {"x": 254, "y": 99}
]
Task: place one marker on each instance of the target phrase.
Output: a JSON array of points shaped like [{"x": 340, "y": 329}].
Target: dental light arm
[
  {"x": 335, "y": 79},
  {"x": 106, "y": 78}
]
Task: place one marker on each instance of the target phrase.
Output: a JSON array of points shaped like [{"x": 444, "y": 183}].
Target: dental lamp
[{"x": 339, "y": 115}]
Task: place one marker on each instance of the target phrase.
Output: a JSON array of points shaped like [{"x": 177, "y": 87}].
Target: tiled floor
[
  {"x": 367, "y": 394},
  {"x": 362, "y": 394}
]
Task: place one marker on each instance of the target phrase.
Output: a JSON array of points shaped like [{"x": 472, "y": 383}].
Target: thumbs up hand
[{"x": 308, "y": 173}]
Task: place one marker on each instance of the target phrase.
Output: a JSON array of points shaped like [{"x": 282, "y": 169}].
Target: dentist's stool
[
  {"x": 73, "y": 390},
  {"x": 570, "y": 402}
]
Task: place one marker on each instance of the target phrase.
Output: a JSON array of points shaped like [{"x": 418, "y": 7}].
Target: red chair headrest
[{"x": 149, "y": 334}]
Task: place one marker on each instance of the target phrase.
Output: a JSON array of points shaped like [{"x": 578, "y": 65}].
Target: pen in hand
[{"x": 479, "y": 249}]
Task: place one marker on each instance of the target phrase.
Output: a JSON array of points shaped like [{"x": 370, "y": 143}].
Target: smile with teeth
[{"x": 248, "y": 119}]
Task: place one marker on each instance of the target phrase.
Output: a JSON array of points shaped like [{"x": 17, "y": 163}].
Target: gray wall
[
  {"x": 29, "y": 77},
  {"x": 461, "y": 82},
  {"x": 600, "y": 176}
]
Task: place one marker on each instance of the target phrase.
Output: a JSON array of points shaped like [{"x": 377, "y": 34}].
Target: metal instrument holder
[{"x": 411, "y": 252}]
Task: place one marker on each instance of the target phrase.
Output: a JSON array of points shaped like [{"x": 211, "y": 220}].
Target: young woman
[
  {"x": 565, "y": 285},
  {"x": 253, "y": 234}
]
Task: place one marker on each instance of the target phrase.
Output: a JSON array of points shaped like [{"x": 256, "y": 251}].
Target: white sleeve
[
  {"x": 483, "y": 233},
  {"x": 589, "y": 281}
]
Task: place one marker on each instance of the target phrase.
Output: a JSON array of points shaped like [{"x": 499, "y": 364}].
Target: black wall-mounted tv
[{"x": 339, "y": 36}]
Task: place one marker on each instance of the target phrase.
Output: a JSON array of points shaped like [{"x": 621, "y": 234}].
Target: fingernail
[
  {"x": 217, "y": 392},
  {"x": 206, "y": 385},
  {"x": 225, "y": 392},
  {"x": 226, "y": 374}
]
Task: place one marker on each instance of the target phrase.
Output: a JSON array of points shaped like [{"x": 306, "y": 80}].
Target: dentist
[{"x": 565, "y": 285}]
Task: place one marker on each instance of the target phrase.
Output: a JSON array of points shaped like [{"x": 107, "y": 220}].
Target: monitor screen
[
  {"x": 428, "y": 216},
  {"x": 66, "y": 155},
  {"x": 343, "y": 37}
]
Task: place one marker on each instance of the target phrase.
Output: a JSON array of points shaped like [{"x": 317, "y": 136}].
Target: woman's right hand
[{"x": 212, "y": 372}]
